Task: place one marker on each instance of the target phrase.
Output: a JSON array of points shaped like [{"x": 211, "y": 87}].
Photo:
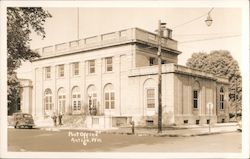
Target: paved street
[{"x": 78, "y": 140}]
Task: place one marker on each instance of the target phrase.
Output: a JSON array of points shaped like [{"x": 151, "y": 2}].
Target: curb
[{"x": 172, "y": 135}]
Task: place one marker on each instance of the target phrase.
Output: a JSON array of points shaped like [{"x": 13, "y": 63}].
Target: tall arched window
[
  {"x": 196, "y": 91},
  {"x": 221, "y": 98},
  {"x": 92, "y": 96},
  {"x": 48, "y": 100},
  {"x": 109, "y": 97},
  {"x": 150, "y": 93},
  {"x": 61, "y": 100},
  {"x": 76, "y": 98}
]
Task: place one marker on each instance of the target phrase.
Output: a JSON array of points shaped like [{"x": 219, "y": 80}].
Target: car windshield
[{"x": 27, "y": 116}]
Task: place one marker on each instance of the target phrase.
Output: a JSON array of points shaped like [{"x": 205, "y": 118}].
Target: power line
[
  {"x": 207, "y": 39},
  {"x": 192, "y": 19}
]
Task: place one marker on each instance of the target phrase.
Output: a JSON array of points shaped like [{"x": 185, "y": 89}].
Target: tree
[
  {"x": 20, "y": 23},
  {"x": 221, "y": 63}
]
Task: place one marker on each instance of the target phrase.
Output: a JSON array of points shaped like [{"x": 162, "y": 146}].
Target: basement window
[
  {"x": 149, "y": 122},
  {"x": 197, "y": 122},
  {"x": 223, "y": 120},
  {"x": 208, "y": 121}
]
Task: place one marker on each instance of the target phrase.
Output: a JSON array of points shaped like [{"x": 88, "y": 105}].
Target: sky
[{"x": 188, "y": 24}]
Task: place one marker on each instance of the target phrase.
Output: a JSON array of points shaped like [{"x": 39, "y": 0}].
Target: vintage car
[{"x": 23, "y": 120}]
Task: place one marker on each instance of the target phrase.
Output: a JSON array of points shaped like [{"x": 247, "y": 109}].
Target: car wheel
[{"x": 17, "y": 126}]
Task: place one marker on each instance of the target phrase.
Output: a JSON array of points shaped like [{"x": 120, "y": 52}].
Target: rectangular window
[
  {"x": 79, "y": 105},
  {"x": 47, "y": 72},
  {"x": 195, "y": 99},
  {"x": 221, "y": 101},
  {"x": 152, "y": 61},
  {"x": 109, "y": 100},
  {"x": 60, "y": 70},
  {"x": 109, "y": 64},
  {"x": 112, "y": 100},
  {"x": 91, "y": 66},
  {"x": 150, "y": 98},
  {"x": 163, "y": 61},
  {"x": 75, "y": 67}
]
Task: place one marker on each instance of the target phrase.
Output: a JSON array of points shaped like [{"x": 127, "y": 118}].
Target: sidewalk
[
  {"x": 175, "y": 131},
  {"x": 180, "y": 131}
]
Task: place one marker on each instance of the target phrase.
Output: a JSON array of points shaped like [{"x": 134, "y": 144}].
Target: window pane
[
  {"x": 94, "y": 102},
  {"x": 112, "y": 104},
  {"x": 151, "y": 103},
  {"x": 76, "y": 72},
  {"x": 195, "y": 104},
  {"x": 151, "y": 61},
  {"x": 112, "y": 96},
  {"x": 74, "y": 105},
  {"x": 109, "y": 68},
  {"x": 47, "y": 72},
  {"x": 79, "y": 105},
  {"x": 106, "y": 96},
  {"x": 92, "y": 66},
  {"x": 106, "y": 105},
  {"x": 109, "y": 64},
  {"x": 195, "y": 94},
  {"x": 92, "y": 70},
  {"x": 76, "y": 68},
  {"x": 150, "y": 98},
  {"x": 150, "y": 93},
  {"x": 61, "y": 70},
  {"x": 109, "y": 60}
]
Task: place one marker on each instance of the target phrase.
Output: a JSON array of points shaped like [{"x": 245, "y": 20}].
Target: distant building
[{"x": 117, "y": 73}]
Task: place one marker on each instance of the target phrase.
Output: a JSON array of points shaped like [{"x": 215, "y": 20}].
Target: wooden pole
[{"x": 159, "y": 79}]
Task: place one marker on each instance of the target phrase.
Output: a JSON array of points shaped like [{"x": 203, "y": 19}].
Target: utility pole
[{"x": 161, "y": 26}]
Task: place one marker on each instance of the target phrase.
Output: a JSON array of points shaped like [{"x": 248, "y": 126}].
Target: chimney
[{"x": 169, "y": 33}]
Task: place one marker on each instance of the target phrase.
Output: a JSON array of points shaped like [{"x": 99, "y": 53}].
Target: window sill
[
  {"x": 151, "y": 108},
  {"x": 75, "y": 76},
  {"x": 108, "y": 72},
  {"x": 91, "y": 74},
  {"x": 61, "y": 77}
]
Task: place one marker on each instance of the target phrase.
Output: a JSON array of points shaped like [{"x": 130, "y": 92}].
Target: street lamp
[
  {"x": 161, "y": 28},
  {"x": 209, "y": 20}
]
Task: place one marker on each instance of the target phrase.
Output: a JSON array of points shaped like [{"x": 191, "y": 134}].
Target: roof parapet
[{"x": 104, "y": 40}]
